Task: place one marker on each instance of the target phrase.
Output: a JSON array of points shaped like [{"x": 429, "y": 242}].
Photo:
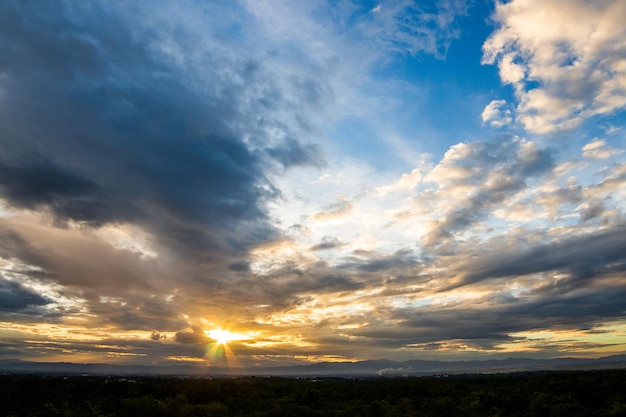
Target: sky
[{"x": 272, "y": 182}]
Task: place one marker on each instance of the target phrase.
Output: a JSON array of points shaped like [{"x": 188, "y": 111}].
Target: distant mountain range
[{"x": 340, "y": 369}]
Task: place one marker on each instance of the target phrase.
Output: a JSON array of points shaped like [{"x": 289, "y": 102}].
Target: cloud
[
  {"x": 341, "y": 208},
  {"x": 103, "y": 128},
  {"x": 38, "y": 183},
  {"x": 473, "y": 178},
  {"x": 497, "y": 114},
  {"x": 565, "y": 59},
  {"x": 157, "y": 336},
  {"x": 409, "y": 27},
  {"x": 592, "y": 211},
  {"x": 400, "y": 26},
  {"x": 194, "y": 336},
  {"x": 598, "y": 149},
  {"x": 364, "y": 261},
  {"x": 75, "y": 344},
  {"x": 495, "y": 324},
  {"x": 293, "y": 153},
  {"x": 328, "y": 242},
  {"x": 584, "y": 257},
  {"x": 567, "y": 286},
  {"x": 14, "y": 298},
  {"x": 408, "y": 181},
  {"x": 73, "y": 258}
]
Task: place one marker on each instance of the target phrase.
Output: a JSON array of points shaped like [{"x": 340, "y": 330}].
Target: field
[{"x": 579, "y": 393}]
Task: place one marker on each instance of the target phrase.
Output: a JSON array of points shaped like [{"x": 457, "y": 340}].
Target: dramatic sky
[{"x": 311, "y": 180}]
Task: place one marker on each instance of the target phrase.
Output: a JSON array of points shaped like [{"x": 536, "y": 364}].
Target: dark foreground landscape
[{"x": 573, "y": 393}]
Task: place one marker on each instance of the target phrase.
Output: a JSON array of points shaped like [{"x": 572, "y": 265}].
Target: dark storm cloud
[
  {"x": 583, "y": 257},
  {"x": 15, "y": 298},
  {"x": 373, "y": 262},
  {"x": 98, "y": 126},
  {"x": 488, "y": 325},
  {"x": 39, "y": 182}
]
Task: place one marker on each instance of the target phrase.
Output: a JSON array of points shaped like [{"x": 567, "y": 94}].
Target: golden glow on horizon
[
  {"x": 225, "y": 346},
  {"x": 184, "y": 359},
  {"x": 64, "y": 332},
  {"x": 605, "y": 340}
]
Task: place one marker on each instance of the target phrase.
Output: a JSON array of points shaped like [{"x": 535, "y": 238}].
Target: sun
[{"x": 223, "y": 337}]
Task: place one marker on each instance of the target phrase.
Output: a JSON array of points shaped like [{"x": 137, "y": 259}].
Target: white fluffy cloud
[
  {"x": 598, "y": 149},
  {"x": 565, "y": 58},
  {"x": 497, "y": 114}
]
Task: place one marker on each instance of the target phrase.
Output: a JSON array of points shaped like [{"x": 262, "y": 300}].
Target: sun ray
[{"x": 220, "y": 346}]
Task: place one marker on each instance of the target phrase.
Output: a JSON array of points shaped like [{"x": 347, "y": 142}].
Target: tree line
[{"x": 579, "y": 393}]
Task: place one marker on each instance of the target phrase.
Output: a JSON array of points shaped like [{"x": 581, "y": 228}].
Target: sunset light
[
  {"x": 222, "y": 337},
  {"x": 214, "y": 185}
]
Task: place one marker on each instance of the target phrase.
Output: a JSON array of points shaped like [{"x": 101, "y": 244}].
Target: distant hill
[{"x": 346, "y": 369}]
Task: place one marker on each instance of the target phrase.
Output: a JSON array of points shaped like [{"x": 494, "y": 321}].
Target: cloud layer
[{"x": 169, "y": 171}]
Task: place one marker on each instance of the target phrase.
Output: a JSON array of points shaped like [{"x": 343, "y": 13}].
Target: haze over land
[{"x": 264, "y": 183}]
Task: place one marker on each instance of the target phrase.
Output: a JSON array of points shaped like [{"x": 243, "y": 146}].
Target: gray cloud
[
  {"x": 136, "y": 311},
  {"x": 98, "y": 127},
  {"x": 328, "y": 242},
  {"x": 42, "y": 183},
  {"x": 285, "y": 286},
  {"x": 365, "y": 261},
  {"x": 292, "y": 154},
  {"x": 76, "y": 260},
  {"x": 587, "y": 294},
  {"x": 491, "y": 171},
  {"x": 593, "y": 211},
  {"x": 15, "y": 298},
  {"x": 492, "y": 323},
  {"x": 193, "y": 336},
  {"x": 583, "y": 257},
  {"x": 156, "y": 336},
  {"x": 120, "y": 129}
]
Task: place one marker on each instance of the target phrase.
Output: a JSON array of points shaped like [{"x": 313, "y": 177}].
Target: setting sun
[{"x": 223, "y": 337}]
